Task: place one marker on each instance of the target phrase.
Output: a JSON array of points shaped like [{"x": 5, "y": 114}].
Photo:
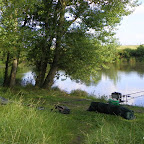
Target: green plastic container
[{"x": 113, "y": 102}]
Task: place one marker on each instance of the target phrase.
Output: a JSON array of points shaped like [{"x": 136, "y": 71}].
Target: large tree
[
  {"x": 67, "y": 42},
  {"x": 71, "y": 35}
]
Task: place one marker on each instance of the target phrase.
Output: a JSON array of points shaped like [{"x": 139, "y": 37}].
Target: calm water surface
[{"x": 126, "y": 78}]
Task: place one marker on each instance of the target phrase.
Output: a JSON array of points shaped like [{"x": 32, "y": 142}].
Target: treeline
[{"x": 128, "y": 53}]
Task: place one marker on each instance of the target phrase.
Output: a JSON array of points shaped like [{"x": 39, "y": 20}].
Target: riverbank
[{"x": 28, "y": 119}]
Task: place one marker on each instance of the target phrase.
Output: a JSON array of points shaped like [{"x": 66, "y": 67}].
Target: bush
[
  {"x": 140, "y": 51},
  {"x": 79, "y": 93},
  {"x": 126, "y": 53}
]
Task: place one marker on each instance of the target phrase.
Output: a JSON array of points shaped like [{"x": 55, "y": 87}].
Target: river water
[{"x": 126, "y": 78}]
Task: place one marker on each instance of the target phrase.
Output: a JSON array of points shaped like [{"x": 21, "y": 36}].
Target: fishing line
[
  {"x": 135, "y": 97},
  {"x": 135, "y": 93}
]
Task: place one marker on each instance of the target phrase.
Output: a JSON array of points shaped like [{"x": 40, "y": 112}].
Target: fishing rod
[
  {"x": 136, "y": 97},
  {"x": 135, "y": 93},
  {"x": 121, "y": 98}
]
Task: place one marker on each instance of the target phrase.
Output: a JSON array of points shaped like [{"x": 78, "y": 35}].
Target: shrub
[
  {"x": 140, "y": 51},
  {"x": 79, "y": 93},
  {"x": 126, "y": 53}
]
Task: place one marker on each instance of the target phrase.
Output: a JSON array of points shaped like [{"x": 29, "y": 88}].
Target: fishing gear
[{"x": 122, "y": 98}]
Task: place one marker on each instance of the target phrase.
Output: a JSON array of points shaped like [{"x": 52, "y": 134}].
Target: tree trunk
[
  {"x": 54, "y": 67},
  {"x": 6, "y": 78},
  {"x": 41, "y": 74},
  {"x": 42, "y": 65},
  {"x": 50, "y": 77},
  {"x": 13, "y": 72}
]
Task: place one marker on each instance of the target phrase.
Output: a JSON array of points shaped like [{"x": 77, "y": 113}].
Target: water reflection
[
  {"x": 28, "y": 78},
  {"x": 124, "y": 78}
]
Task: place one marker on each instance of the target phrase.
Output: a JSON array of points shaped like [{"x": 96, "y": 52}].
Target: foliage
[
  {"x": 140, "y": 51},
  {"x": 10, "y": 38},
  {"x": 84, "y": 56},
  {"x": 126, "y": 53}
]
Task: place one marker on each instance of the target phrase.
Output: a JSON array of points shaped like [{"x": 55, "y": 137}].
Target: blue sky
[{"x": 131, "y": 30}]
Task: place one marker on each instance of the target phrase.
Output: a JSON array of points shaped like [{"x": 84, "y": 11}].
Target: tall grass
[
  {"x": 116, "y": 131},
  {"x": 26, "y": 125}
]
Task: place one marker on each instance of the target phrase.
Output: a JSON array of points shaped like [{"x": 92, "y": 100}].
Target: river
[{"x": 126, "y": 78}]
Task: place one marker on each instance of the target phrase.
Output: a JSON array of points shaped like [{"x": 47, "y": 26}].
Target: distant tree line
[{"x": 128, "y": 53}]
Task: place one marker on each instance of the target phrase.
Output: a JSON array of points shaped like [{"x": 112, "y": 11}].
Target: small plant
[
  {"x": 56, "y": 88},
  {"x": 79, "y": 93}
]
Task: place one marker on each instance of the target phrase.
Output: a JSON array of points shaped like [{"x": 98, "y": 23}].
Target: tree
[
  {"x": 11, "y": 38},
  {"x": 66, "y": 44}
]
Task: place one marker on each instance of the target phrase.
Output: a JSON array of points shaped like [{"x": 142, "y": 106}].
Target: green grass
[
  {"x": 128, "y": 46},
  {"x": 29, "y": 126},
  {"x": 23, "y": 124}
]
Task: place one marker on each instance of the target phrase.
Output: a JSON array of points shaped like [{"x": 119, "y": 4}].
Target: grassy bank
[{"x": 23, "y": 123}]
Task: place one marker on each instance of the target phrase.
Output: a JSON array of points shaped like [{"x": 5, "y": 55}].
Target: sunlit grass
[{"x": 128, "y": 46}]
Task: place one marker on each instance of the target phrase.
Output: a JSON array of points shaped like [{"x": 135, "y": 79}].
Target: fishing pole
[
  {"x": 135, "y": 93},
  {"x": 136, "y": 97}
]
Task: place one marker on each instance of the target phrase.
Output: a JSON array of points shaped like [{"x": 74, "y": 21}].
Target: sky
[{"x": 131, "y": 30}]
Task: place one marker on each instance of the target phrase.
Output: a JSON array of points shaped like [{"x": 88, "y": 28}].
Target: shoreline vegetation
[
  {"x": 130, "y": 53},
  {"x": 23, "y": 122}
]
